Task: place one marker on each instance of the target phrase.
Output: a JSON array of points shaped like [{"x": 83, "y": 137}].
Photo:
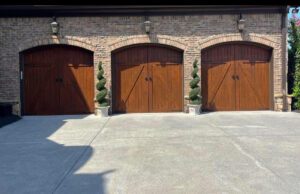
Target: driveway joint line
[
  {"x": 245, "y": 152},
  {"x": 80, "y": 157}
]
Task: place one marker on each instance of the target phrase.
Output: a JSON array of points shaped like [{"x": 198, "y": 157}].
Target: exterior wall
[{"x": 191, "y": 33}]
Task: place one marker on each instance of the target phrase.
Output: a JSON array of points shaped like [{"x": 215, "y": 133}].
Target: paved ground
[{"x": 224, "y": 152}]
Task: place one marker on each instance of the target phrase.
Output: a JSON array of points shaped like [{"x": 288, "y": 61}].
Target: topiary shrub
[
  {"x": 102, "y": 91},
  {"x": 194, "y": 95}
]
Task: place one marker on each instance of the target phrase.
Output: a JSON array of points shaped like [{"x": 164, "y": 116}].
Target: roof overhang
[{"x": 94, "y": 10}]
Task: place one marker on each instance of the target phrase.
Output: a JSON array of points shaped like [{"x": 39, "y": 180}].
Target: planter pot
[
  {"x": 194, "y": 109},
  {"x": 102, "y": 111},
  {"x": 289, "y": 101}
]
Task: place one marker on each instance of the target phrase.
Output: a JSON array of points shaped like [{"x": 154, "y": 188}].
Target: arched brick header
[
  {"x": 237, "y": 37},
  {"x": 146, "y": 39},
  {"x": 56, "y": 40}
]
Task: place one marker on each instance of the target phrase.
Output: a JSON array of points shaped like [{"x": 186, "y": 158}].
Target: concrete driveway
[{"x": 223, "y": 152}]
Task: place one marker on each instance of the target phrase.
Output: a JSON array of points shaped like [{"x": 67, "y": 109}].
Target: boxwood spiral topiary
[
  {"x": 194, "y": 96},
  {"x": 102, "y": 101}
]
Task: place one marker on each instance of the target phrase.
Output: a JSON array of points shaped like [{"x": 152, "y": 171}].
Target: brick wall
[{"x": 190, "y": 33}]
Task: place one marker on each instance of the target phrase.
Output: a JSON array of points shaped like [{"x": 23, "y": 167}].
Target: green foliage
[
  {"x": 294, "y": 62},
  {"x": 194, "y": 82},
  {"x": 101, "y": 83},
  {"x": 101, "y": 72},
  {"x": 102, "y": 91},
  {"x": 294, "y": 41},
  {"x": 293, "y": 66},
  {"x": 296, "y": 88},
  {"x": 194, "y": 94}
]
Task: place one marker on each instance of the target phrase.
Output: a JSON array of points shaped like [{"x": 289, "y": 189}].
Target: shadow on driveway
[
  {"x": 6, "y": 120},
  {"x": 38, "y": 153}
]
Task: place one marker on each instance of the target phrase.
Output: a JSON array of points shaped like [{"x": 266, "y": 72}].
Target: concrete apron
[{"x": 247, "y": 152}]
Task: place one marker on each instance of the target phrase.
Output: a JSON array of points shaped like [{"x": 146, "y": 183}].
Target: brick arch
[
  {"x": 50, "y": 41},
  {"x": 140, "y": 39},
  {"x": 146, "y": 39},
  {"x": 237, "y": 37}
]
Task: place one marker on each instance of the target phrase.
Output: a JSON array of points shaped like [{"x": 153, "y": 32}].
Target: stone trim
[
  {"x": 212, "y": 40},
  {"x": 57, "y": 40},
  {"x": 147, "y": 39}
]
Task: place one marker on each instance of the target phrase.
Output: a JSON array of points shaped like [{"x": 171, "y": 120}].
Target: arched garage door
[
  {"x": 58, "y": 79},
  {"x": 235, "y": 76},
  {"x": 147, "y": 78}
]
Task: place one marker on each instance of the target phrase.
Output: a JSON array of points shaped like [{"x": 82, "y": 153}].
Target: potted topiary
[
  {"x": 194, "y": 105},
  {"x": 102, "y": 108}
]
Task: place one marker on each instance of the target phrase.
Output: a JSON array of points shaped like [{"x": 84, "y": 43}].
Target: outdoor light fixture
[
  {"x": 54, "y": 26},
  {"x": 241, "y": 23},
  {"x": 147, "y": 26}
]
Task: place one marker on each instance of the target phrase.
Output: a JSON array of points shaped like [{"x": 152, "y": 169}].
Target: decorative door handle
[
  {"x": 59, "y": 80},
  {"x": 235, "y": 77}
]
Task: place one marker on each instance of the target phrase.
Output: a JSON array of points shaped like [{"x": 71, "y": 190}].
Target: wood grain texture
[
  {"x": 235, "y": 77},
  {"x": 147, "y": 78},
  {"x": 58, "y": 80}
]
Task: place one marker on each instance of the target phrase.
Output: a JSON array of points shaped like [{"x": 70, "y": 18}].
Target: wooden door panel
[
  {"x": 165, "y": 71},
  {"x": 166, "y": 87},
  {"x": 77, "y": 86},
  {"x": 77, "y": 90},
  {"x": 38, "y": 84},
  {"x": 45, "y": 94},
  {"x": 220, "y": 94},
  {"x": 218, "y": 85},
  {"x": 253, "y": 86},
  {"x": 40, "y": 93},
  {"x": 134, "y": 94},
  {"x": 252, "y": 65},
  {"x": 130, "y": 89}
]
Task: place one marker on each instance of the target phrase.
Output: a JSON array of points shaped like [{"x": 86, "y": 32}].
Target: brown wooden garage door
[
  {"x": 147, "y": 78},
  {"x": 235, "y": 77},
  {"x": 58, "y": 80}
]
